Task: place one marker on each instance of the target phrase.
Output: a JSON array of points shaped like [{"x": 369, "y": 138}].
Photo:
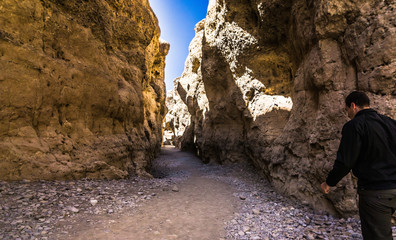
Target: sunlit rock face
[
  {"x": 265, "y": 81},
  {"x": 81, "y": 89},
  {"x": 177, "y": 119}
]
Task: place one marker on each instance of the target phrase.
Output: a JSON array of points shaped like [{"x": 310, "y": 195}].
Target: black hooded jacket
[{"x": 368, "y": 147}]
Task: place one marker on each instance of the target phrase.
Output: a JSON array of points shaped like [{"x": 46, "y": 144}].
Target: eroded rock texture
[
  {"x": 266, "y": 81},
  {"x": 82, "y": 92},
  {"x": 177, "y": 119}
]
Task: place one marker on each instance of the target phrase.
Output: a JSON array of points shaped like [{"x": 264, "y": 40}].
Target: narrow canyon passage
[{"x": 84, "y": 109}]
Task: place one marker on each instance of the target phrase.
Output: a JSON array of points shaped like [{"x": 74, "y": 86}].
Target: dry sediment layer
[
  {"x": 266, "y": 81},
  {"x": 82, "y": 92}
]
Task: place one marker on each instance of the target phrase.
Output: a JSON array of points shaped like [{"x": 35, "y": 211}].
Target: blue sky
[{"x": 177, "y": 19}]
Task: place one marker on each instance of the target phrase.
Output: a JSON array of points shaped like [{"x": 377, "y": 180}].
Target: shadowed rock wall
[
  {"x": 81, "y": 88},
  {"x": 266, "y": 81}
]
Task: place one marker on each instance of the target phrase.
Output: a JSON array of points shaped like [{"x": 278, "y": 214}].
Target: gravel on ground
[{"x": 55, "y": 209}]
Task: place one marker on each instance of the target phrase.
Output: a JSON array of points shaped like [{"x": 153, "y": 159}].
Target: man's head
[{"x": 355, "y": 102}]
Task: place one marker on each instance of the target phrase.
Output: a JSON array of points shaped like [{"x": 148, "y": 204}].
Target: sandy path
[{"x": 198, "y": 210}]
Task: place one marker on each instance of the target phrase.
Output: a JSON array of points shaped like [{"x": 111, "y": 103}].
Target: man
[{"x": 368, "y": 148}]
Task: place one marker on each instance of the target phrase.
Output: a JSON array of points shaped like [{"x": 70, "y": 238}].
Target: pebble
[
  {"x": 73, "y": 209},
  {"x": 175, "y": 189},
  {"x": 93, "y": 202},
  {"x": 256, "y": 211}
]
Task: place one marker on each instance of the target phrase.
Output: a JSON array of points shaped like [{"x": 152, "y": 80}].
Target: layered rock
[
  {"x": 265, "y": 81},
  {"x": 82, "y": 89}
]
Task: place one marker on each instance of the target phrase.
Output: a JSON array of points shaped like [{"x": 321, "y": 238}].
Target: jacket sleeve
[{"x": 347, "y": 154}]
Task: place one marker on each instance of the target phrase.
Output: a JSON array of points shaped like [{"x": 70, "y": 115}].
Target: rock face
[
  {"x": 176, "y": 120},
  {"x": 266, "y": 81},
  {"x": 82, "y": 89}
]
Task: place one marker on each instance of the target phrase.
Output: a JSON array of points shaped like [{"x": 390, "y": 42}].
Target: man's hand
[{"x": 325, "y": 187}]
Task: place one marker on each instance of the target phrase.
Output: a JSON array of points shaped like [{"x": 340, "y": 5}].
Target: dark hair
[{"x": 359, "y": 98}]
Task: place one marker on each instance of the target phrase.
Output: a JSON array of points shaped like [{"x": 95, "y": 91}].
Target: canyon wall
[
  {"x": 177, "y": 119},
  {"x": 82, "y": 90},
  {"x": 265, "y": 81}
]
